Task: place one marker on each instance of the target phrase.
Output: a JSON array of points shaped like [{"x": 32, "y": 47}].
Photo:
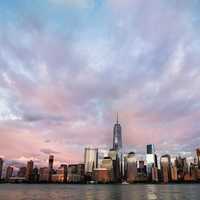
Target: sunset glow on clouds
[{"x": 67, "y": 67}]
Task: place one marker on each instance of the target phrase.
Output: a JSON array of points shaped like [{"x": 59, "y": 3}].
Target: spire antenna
[{"x": 117, "y": 118}]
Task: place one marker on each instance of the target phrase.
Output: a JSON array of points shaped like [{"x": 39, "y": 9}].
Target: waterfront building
[
  {"x": 9, "y": 173},
  {"x": 102, "y": 175},
  {"x": 113, "y": 154},
  {"x": 21, "y": 172},
  {"x": 117, "y": 145},
  {"x": 165, "y": 163},
  {"x": 198, "y": 157},
  {"x": 151, "y": 159},
  {"x": 154, "y": 173},
  {"x": 61, "y": 175},
  {"x": 29, "y": 170},
  {"x": 90, "y": 159},
  {"x": 1, "y": 167},
  {"x": 101, "y": 154},
  {"x": 174, "y": 175},
  {"x": 141, "y": 167},
  {"x": 44, "y": 174},
  {"x": 182, "y": 167},
  {"x": 51, "y": 159},
  {"x": 35, "y": 175},
  {"x": 107, "y": 163},
  {"x": 131, "y": 167},
  {"x": 75, "y": 173},
  {"x": 117, "y": 136}
]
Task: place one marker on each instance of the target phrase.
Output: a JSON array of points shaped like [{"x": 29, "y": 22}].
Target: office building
[
  {"x": 75, "y": 173},
  {"x": 29, "y": 170},
  {"x": 117, "y": 145},
  {"x": 21, "y": 172},
  {"x": 35, "y": 175},
  {"x": 90, "y": 159},
  {"x": 61, "y": 175},
  {"x": 9, "y": 173},
  {"x": 44, "y": 174},
  {"x": 182, "y": 167},
  {"x": 113, "y": 154},
  {"x": 117, "y": 136},
  {"x": 154, "y": 174},
  {"x": 198, "y": 157},
  {"x": 102, "y": 175},
  {"x": 131, "y": 167},
  {"x": 1, "y": 167},
  {"x": 51, "y": 159},
  {"x": 165, "y": 163},
  {"x": 151, "y": 159},
  {"x": 107, "y": 163},
  {"x": 102, "y": 153},
  {"x": 174, "y": 174}
]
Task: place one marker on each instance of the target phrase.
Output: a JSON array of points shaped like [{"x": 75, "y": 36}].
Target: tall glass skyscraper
[
  {"x": 117, "y": 136},
  {"x": 117, "y": 146},
  {"x": 151, "y": 158}
]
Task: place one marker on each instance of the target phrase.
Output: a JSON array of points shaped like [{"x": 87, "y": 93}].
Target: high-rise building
[
  {"x": 102, "y": 175},
  {"x": 35, "y": 176},
  {"x": 117, "y": 136},
  {"x": 51, "y": 159},
  {"x": 101, "y": 154},
  {"x": 174, "y": 175},
  {"x": 1, "y": 167},
  {"x": 198, "y": 157},
  {"x": 131, "y": 167},
  {"x": 9, "y": 173},
  {"x": 142, "y": 167},
  {"x": 107, "y": 163},
  {"x": 21, "y": 172},
  {"x": 75, "y": 173},
  {"x": 151, "y": 159},
  {"x": 154, "y": 173},
  {"x": 113, "y": 154},
  {"x": 29, "y": 170},
  {"x": 61, "y": 175},
  {"x": 44, "y": 174},
  {"x": 182, "y": 167},
  {"x": 90, "y": 159},
  {"x": 165, "y": 163},
  {"x": 117, "y": 144}
]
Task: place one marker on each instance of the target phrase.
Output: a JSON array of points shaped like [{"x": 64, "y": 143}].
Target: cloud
[
  {"x": 48, "y": 151},
  {"x": 74, "y": 3},
  {"x": 60, "y": 89}
]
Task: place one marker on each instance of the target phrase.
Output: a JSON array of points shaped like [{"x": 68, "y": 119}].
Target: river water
[{"x": 99, "y": 192}]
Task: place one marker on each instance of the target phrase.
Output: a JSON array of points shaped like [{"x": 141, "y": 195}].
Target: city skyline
[{"x": 68, "y": 66}]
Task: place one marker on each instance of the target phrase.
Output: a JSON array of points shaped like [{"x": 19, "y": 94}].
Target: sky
[{"x": 68, "y": 66}]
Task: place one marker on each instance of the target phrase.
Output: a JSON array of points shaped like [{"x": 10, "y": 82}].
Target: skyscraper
[
  {"x": 198, "y": 157},
  {"x": 51, "y": 158},
  {"x": 90, "y": 159},
  {"x": 1, "y": 167},
  {"x": 165, "y": 163},
  {"x": 151, "y": 158},
  {"x": 9, "y": 172},
  {"x": 29, "y": 170},
  {"x": 131, "y": 167},
  {"x": 117, "y": 144},
  {"x": 117, "y": 136}
]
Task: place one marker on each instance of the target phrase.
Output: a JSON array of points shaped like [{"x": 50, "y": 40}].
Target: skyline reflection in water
[{"x": 99, "y": 192}]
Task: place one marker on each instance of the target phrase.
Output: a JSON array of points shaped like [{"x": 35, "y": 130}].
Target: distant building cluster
[{"x": 111, "y": 166}]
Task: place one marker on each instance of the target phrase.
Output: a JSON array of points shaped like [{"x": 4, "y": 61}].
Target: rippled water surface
[{"x": 99, "y": 192}]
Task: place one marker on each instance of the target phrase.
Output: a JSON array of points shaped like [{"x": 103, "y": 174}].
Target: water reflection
[{"x": 99, "y": 192}]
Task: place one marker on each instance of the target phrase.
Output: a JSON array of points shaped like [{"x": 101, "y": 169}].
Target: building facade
[
  {"x": 1, "y": 167},
  {"x": 90, "y": 159}
]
